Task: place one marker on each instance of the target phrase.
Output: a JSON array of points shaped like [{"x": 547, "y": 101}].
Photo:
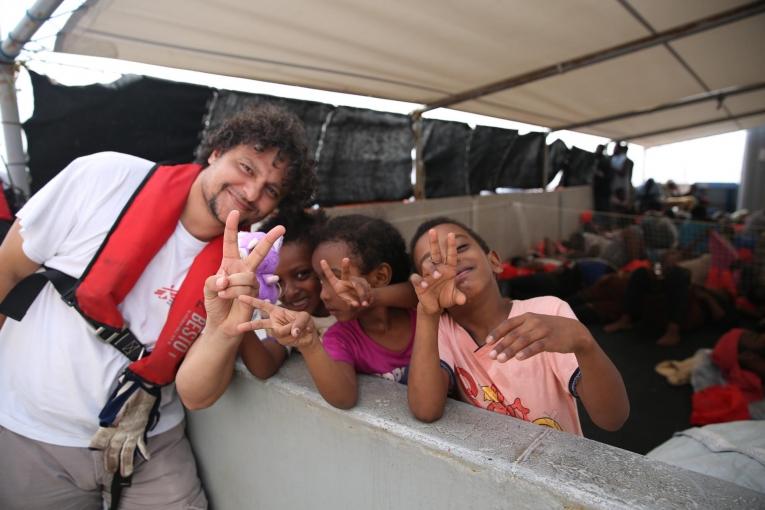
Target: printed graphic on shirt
[
  {"x": 397, "y": 374},
  {"x": 491, "y": 398},
  {"x": 548, "y": 422},
  {"x": 166, "y": 294}
]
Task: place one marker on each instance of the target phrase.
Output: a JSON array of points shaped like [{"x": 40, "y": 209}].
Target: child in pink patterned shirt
[{"x": 527, "y": 359}]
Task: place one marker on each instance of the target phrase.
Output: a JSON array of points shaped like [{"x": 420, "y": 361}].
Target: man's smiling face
[{"x": 246, "y": 179}]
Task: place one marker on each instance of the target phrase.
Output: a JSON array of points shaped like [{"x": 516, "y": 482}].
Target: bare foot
[
  {"x": 622, "y": 323},
  {"x": 671, "y": 337}
]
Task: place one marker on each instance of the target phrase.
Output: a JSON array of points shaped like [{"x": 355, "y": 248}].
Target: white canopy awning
[{"x": 422, "y": 51}]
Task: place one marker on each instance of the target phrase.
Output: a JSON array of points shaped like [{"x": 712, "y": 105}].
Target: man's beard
[{"x": 212, "y": 205}]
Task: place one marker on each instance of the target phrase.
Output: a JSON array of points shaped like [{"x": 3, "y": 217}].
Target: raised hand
[
  {"x": 530, "y": 333},
  {"x": 436, "y": 288},
  {"x": 355, "y": 291},
  {"x": 289, "y": 328},
  {"x": 236, "y": 276}
]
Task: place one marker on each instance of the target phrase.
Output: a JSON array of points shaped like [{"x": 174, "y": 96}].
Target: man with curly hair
[{"x": 129, "y": 245}]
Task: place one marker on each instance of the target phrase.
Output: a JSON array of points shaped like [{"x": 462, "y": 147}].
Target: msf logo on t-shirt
[{"x": 166, "y": 294}]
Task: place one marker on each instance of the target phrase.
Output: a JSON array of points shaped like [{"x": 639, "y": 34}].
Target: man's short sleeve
[{"x": 67, "y": 218}]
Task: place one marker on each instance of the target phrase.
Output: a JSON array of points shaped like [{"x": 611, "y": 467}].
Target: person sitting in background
[
  {"x": 671, "y": 188},
  {"x": 562, "y": 281},
  {"x": 659, "y": 234},
  {"x": 693, "y": 234},
  {"x": 648, "y": 197},
  {"x": 663, "y": 296}
]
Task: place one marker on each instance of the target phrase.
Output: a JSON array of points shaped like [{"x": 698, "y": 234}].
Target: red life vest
[{"x": 146, "y": 223}]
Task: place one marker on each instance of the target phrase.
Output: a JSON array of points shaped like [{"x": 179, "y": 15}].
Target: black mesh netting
[
  {"x": 523, "y": 165},
  {"x": 155, "y": 119},
  {"x": 557, "y": 159},
  {"x": 365, "y": 156},
  {"x": 445, "y": 157},
  {"x": 313, "y": 114},
  {"x": 580, "y": 169},
  {"x": 489, "y": 147}
]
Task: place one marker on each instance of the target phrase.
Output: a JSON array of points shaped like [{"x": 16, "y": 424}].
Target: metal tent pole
[
  {"x": 703, "y": 123},
  {"x": 419, "y": 163},
  {"x": 719, "y": 95},
  {"x": 10, "y": 49}
]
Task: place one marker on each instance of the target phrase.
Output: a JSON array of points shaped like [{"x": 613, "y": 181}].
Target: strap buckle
[{"x": 123, "y": 340}]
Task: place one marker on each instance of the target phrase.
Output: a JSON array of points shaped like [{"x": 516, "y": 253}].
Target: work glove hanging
[{"x": 131, "y": 411}]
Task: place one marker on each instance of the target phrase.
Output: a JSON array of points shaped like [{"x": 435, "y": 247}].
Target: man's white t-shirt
[{"x": 55, "y": 374}]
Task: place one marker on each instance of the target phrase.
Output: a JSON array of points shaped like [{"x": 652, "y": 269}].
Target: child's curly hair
[
  {"x": 301, "y": 226},
  {"x": 264, "y": 127},
  {"x": 372, "y": 240}
]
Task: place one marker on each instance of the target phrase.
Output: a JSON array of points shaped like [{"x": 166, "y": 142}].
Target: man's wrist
[{"x": 218, "y": 334}]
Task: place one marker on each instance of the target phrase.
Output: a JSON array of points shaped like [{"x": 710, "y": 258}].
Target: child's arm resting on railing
[
  {"x": 262, "y": 358},
  {"x": 428, "y": 380},
  {"x": 600, "y": 387},
  {"x": 357, "y": 293},
  {"x": 335, "y": 380}
]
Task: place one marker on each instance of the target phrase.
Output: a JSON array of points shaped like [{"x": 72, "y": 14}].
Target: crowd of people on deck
[
  {"x": 668, "y": 262},
  {"x": 157, "y": 289}
]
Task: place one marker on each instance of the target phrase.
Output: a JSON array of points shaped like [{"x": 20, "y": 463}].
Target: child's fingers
[
  {"x": 363, "y": 291},
  {"x": 254, "y": 325},
  {"x": 230, "y": 231},
  {"x": 532, "y": 349},
  {"x": 509, "y": 346},
  {"x": 429, "y": 270},
  {"x": 260, "y": 304},
  {"x": 416, "y": 281},
  {"x": 505, "y": 327},
  {"x": 345, "y": 269},
  {"x": 303, "y": 323},
  {"x": 281, "y": 330},
  {"x": 435, "y": 248},
  {"x": 328, "y": 274},
  {"x": 451, "y": 249},
  {"x": 459, "y": 297},
  {"x": 262, "y": 248}
]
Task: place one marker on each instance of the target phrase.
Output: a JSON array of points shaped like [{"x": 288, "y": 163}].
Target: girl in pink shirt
[
  {"x": 363, "y": 268},
  {"x": 527, "y": 359}
]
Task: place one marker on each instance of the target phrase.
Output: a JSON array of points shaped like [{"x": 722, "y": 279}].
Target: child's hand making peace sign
[
  {"x": 436, "y": 288},
  {"x": 355, "y": 291},
  {"x": 291, "y": 329}
]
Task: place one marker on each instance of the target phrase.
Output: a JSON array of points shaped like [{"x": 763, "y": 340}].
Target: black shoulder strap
[{"x": 21, "y": 297}]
